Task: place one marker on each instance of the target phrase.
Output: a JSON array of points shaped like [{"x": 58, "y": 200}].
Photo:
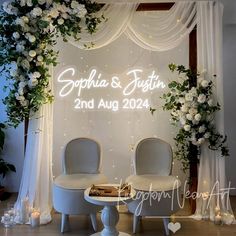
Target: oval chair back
[
  {"x": 82, "y": 155},
  {"x": 153, "y": 156}
]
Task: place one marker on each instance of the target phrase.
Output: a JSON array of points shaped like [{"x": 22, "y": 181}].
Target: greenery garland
[
  {"x": 190, "y": 100},
  {"x": 28, "y": 32}
]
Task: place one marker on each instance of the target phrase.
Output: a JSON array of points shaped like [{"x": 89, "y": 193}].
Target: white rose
[
  {"x": 189, "y": 117},
  {"x": 37, "y": 11},
  {"x": 199, "y": 80},
  {"x": 36, "y": 74},
  {"x": 82, "y": 12},
  {"x": 189, "y": 97},
  {"x": 25, "y": 64},
  {"x": 204, "y": 83},
  {"x": 13, "y": 72},
  {"x": 192, "y": 111},
  {"x": 32, "y": 82},
  {"x": 19, "y": 97},
  {"x": 207, "y": 135},
  {"x": 22, "y": 3},
  {"x": 32, "y": 38},
  {"x": 25, "y": 19},
  {"x": 201, "y": 98},
  {"x": 202, "y": 129},
  {"x": 24, "y": 103},
  {"x": 65, "y": 16},
  {"x": 184, "y": 108},
  {"x": 197, "y": 117},
  {"x": 22, "y": 84},
  {"x": 29, "y": 3},
  {"x": 60, "y": 21},
  {"x": 21, "y": 91},
  {"x": 16, "y": 35},
  {"x": 200, "y": 141},
  {"x": 41, "y": 2},
  {"x": 39, "y": 58},
  {"x": 19, "y": 21},
  {"x": 32, "y": 53},
  {"x": 210, "y": 102},
  {"x": 187, "y": 128},
  {"x": 181, "y": 100}
]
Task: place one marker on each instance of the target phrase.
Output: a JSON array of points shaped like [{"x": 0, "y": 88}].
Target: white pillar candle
[
  {"x": 218, "y": 219},
  {"x": 35, "y": 219}
]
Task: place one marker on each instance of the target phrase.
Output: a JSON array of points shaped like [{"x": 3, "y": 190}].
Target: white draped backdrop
[{"x": 168, "y": 32}]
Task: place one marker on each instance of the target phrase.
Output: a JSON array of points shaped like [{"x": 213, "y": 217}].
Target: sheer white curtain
[
  {"x": 37, "y": 171},
  {"x": 156, "y": 31},
  {"x": 212, "y": 166}
]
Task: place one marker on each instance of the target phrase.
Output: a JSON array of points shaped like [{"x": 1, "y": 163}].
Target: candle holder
[
  {"x": 8, "y": 219},
  {"x": 218, "y": 219},
  {"x": 35, "y": 219}
]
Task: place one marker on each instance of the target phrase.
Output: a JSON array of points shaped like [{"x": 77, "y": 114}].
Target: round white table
[{"x": 110, "y": 215}]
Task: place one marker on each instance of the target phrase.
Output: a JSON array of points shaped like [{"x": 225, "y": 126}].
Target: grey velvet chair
[
  {"x": 153, "y": 182},
  {"x": 81, "y": 163}
]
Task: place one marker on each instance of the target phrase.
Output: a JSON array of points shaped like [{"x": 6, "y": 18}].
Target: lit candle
[
  {"x": 35, "y": 219},
  {"x": 218, "y": 219},
  {"x": 217, "y": 210}
]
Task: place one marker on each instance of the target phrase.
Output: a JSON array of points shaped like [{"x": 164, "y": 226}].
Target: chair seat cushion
[
  {"x": 153, "y": 182},
  {"x": 79, "y": 181}
]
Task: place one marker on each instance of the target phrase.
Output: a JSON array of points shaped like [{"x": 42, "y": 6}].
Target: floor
[{"x": 81, "y": 226}]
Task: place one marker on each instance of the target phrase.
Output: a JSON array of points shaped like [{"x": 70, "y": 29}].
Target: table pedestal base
[
  {"x": 110, "y": 218},
  {"x": 120, "y": 234}
]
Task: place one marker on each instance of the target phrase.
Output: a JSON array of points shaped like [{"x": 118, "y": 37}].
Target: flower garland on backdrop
[
  {"x": 28, "y": 32},
  {"x": 190, "y": 100}
]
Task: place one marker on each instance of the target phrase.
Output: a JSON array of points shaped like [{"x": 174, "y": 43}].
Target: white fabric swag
[{"x": 157, "y": 31}]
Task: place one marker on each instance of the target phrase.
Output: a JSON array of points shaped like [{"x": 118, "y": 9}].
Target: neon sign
[{"x": 136, "y": 81}]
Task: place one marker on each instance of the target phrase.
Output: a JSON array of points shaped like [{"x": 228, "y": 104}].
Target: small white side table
[{"x": 110, "y": 215}]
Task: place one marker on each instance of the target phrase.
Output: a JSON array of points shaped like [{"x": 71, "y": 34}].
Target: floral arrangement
[
  {"x": 190, "y": 100},
  {"x": 28, "y": 32}
]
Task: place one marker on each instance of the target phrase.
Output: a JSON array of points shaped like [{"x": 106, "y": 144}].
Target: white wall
[{"x": 13, "y": 148}]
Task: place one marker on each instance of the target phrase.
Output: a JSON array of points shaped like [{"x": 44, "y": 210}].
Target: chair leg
[
  {"x": 136, "y": 220},
  {"x": 64, "y": 223},
  {"x": 94, "y": 221},
  {"x": 166, "y": 222}
]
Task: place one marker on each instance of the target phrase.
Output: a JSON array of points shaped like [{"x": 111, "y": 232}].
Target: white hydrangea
[
  {"x": 184, "y": 108},
  {"x": 201, "y": 98},
  {"x": 189, "y": 97},
  {"x": 29, "y": 3},
  {"x": 37, "y": 11},
  {"x": 202, "y": 129}
]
